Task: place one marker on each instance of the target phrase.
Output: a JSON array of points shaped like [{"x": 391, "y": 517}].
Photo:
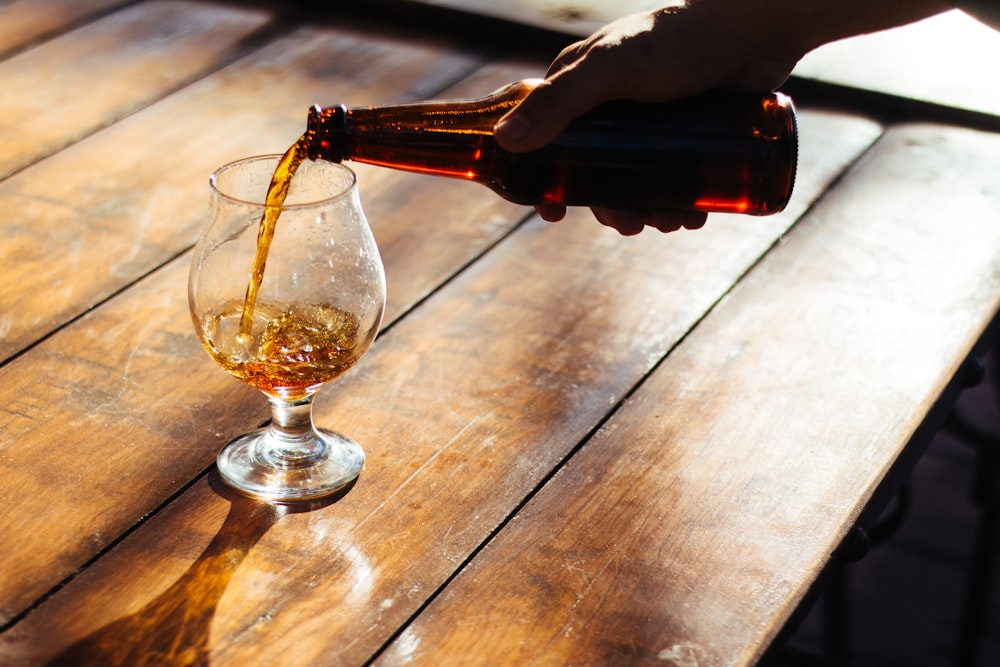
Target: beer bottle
[{"x": 720, "y": 151}]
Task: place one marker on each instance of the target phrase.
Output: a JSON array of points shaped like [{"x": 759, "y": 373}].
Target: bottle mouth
[{"x": 326, "y": 132}]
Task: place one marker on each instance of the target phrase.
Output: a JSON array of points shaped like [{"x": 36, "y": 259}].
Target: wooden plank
[
  {"x": 86, "y": 79},
  {"x": 947, "y": 59},
  {"x": 463, "y": 408},
  {"x": 114, "y": 405},
  {"x": 127, "y": 199},
  {"x": 574, "y": 17},
  {"x": 63, "y": 393},
  {"x": 23, "y": 22},
  {"x": 692, "y": 524},
  {"x": 426, "y": 228}
]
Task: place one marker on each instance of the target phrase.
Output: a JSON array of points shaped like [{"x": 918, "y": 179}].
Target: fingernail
[{"x": 513, "y": 127}]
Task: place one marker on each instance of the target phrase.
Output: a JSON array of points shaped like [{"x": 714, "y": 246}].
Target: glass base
[{"x": 262, "y": 466}]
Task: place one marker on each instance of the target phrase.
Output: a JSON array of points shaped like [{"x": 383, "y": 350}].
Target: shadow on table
[{"x": 174, "y": 628}]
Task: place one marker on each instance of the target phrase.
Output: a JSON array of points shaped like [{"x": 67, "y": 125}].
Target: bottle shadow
[{"x": 173, "y": 629}]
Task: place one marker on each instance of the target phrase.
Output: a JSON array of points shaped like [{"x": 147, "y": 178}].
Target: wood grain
[
  {"x": 23, "y": 22},
  {"x": 463, "y": 407},
  {"x": 574, "y": 17},
  {"x": 947, "y": 59},
  {"x": 86, "y": 79},
  {"x": 688, "y": 528},
  {"x": 76, "y": 403},
  {"x": 108, "y": 210}
]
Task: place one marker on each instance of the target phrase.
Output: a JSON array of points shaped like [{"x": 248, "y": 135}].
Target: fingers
[
  {"x": 583, "y": 76},
  {"x": 627, "y": 223},
  {"x": 630, "y": 222},
  {"x": 551, "y": 212},
  {"x": 546, "y": 112},
  {"x": 653, "y": 56}
]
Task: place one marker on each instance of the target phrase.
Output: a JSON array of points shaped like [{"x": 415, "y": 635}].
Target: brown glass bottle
[{"x": 720, "y": 151}]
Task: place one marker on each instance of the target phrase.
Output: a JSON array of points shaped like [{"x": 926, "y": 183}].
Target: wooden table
[{"x": 583, "y": 449}]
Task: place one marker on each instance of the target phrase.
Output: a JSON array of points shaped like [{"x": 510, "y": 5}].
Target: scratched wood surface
[
  {"x": 575, "y": 17},
  {"x": 149, "y": 202},
  {"x": 949, "y": 59},
  {"x": 685, "y": 495},
  {"x": 85, "y": 79},
  {"x": 455, "y": 438},
  {"x": 146, "y": 218},
  {"x": 631, "y": 443},
  {"x": 28, "y": 21}
]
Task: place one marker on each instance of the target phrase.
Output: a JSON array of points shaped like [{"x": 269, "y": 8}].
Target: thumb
[{"x": 544, "y": 114}]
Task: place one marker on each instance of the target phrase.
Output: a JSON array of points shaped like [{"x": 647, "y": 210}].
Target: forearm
[
  {"x": 824, "y": 21},
  {"x": 791, "y": 28},
  {"x": 683, "y": 48},
  {"x": 689, "y": 46}
]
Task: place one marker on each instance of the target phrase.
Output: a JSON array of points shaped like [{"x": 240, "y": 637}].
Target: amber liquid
[
  {"x": 296, "y": 348},
  {"x": 276, "y": 193}
]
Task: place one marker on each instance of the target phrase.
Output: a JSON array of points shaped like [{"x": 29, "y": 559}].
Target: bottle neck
[
  {"x": 338, "y": 133},
  {"x": 326, "y": 133},
  {"x": 721, "y": 151}
]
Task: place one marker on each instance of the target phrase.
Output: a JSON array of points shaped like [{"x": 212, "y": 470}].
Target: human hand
[
  {"x": 689, "y": 47},
  {"x": 654, "y": 56}
]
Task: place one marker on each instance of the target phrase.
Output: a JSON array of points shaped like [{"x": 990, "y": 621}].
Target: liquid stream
[{"x": 276, "y": 193}]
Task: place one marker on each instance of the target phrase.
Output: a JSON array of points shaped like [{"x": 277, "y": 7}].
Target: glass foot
[{"x": 264, "y": 467}]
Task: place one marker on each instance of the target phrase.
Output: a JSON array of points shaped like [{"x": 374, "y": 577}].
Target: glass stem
[{"x": 292, "y": 440}]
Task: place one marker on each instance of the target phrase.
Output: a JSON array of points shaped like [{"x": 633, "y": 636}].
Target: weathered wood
[
  {"x": 689, "y": 527},
  {"x": 463, "y": 407},
  {"x": 86, "y": 79},
  {"x": 428, "y": 227},
  {"x": 114, "y": 207},
  {"x": 949, "y": 60},
  {"x": 22, "y": 22},
  {"x": 148, "y": 214},
  {"x": 76, "y": 84},
  {"x": 575, "y": 17}
]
